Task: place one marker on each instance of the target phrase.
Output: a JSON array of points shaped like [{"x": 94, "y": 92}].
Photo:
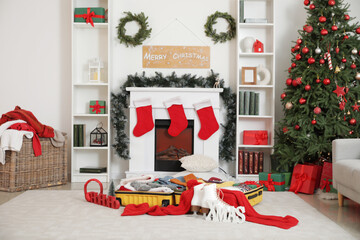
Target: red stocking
[
  {"x": 209, "y": 124},
  {"x": 177, "y": 116},
  {"x": 145, "y": 122}
]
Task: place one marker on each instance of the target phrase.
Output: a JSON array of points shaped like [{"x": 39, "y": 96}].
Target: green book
[
  {"x": 241, "y": 103},
  {"x": 257, "y": 103},
  {"x": 252, "y": 104},
  {"x": 93, "y": 170},
  {"x": 81, "y": 135},
  {"x": 246, "y": 102},
  {"x": 76, "y": 135},
  {"x": 241, "y": 20}
]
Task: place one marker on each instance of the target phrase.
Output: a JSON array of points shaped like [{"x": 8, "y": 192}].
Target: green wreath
[
  {"x": 119, "y": 103},
  {"x": 143, "y": 33},
  {"x": 222, "y": 36}
]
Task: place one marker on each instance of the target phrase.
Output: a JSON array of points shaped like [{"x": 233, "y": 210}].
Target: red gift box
[
  {"x": 255, "y": 138},
  {"x": 304, "y": 178},
  {"x": 326, "y": 178},
  {"x": 318, "y": 174}
]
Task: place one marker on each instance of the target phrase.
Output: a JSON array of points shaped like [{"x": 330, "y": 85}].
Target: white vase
[{"x": 248, "y": 43}]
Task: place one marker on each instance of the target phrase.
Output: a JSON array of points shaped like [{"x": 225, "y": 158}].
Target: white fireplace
[{"x": 142, "y": 149}]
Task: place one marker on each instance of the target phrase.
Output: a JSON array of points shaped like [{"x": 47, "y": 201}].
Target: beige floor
[{"x": 348, "y": 217}]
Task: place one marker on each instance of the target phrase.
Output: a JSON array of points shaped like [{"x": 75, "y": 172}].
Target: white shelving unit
[
  {"x": 265, "y": 32},
  {"x": 88, "y": 43}
]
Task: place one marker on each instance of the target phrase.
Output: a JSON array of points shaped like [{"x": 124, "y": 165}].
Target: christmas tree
[{"x": 322, "y": 98}]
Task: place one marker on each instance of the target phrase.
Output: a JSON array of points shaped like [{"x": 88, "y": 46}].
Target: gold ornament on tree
[
  {"x": 289, "y": 105},
  {"x": 337, "y": 69},
  {"x": 357, "y": 77}
]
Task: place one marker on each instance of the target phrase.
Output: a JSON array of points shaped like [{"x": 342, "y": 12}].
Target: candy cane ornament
[{"x": 327, "y": 56}]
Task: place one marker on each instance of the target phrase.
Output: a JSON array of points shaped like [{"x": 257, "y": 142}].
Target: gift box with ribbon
[
  {"x": 97, "y": 107},
  {"x": 272, "y": 181},
  {"x": 304, "y": 178},
  {"x": 89, "y": 15},
  {"x": 326, "y": 178},
  {"x": 255, "y": 137}
]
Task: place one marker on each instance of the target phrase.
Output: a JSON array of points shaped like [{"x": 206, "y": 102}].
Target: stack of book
[
  {"x": 79, "y": 135},
  {"x": 248, "y": 103},
  {"x": 250, "y": 162}
]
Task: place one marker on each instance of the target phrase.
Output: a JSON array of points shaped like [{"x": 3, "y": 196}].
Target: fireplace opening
[{"x": 169, "y": 149}]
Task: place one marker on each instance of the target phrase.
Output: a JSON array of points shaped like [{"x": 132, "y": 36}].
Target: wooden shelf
[
  {"x": 90, "y": 84},
  {"x": 255, "y": 25},
  {"x": 255, "y": 146},
  {"x": 256, "y": 86},
  {"x": 255, "y": 116},
  {"x": 253, "y": 54},
  {"x": 91, "y": 148},
  {"x": 90, "y": 115}
]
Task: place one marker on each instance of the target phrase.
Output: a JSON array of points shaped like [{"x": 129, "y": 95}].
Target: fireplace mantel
[{"x": 142, "y": 148}]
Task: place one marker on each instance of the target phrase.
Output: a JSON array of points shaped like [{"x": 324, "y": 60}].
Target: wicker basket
[{"x": 22, "y": 170}]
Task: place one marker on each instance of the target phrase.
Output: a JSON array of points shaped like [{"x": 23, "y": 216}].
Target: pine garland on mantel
[{"x": 119, "y": 103}]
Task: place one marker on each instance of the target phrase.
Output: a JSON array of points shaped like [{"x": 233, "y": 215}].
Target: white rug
[{"x": 62, "y": 214}]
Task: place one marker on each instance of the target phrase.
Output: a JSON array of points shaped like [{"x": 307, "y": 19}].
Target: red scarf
[{"x": 234, "y": 198}]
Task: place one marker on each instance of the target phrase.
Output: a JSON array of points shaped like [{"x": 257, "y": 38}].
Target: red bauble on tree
[
  {"x": 345, "y": 37},
  {"x": 346, "y": 17},
  {"x": 302, "y": 100},
  {"x": 331, "y": 2},
  {"x": 298, "y": 57},
  {"x": 334, "y": 28},
  {"x": 352, "y": 121},
  {"x": 313, "y": 122},
  {"x": 307, "y": 87},
  {"x": 285, "y": 129},
  {"x": 308, "y": 28},
  {"x": 324, "y": 32},
  {"x": 297, "y": 47},
  {"x": 322, "y": 19},
  {"x": 312, "y": 6},
  {"x": 317, "y": 110},
  {"x": 297, "y": 127},
  {"x": 283, "y": 95},
  {"x": 337, "y": 49},
  {"x": 288, "y": 81},
  {"x": 311, "y": 60},
  {"x": 326, "y": 81},
  {"x": 289, "y": 69},
  {"x": 344, "y": 60},
  {"x": 306, "y": 2},
  {"x": 295, "y": 83},
  {"x": 358, "y": 30},
  {"x": 293, "y": 65},
  {"x": 353, "y": 66},
  {"x": 305, "y": 50},
  {"x": 293, "y": 50},
  {"x": 299, "y": 41},
  {"x": 322, "y": 61},
  {"x": 318, "y": 80}
]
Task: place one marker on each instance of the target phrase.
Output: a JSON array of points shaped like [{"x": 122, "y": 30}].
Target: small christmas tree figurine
[
  {"x": 322, "y": 97},
  {"x": 111, "y": 189}
]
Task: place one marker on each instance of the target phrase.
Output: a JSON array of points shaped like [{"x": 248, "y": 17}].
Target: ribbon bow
[
  {"x": 96, "y": 107},
  {"x": 252, "y": 183},
  {"x": 269, "y": 184},
  {"x": 259, "y": 137},
  {"x": 89, "y": 16},
  {"x": 300, "y": 179},
  {"x": 325, "y": 183}
]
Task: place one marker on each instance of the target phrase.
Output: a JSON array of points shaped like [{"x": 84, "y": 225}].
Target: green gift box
[
  {"x": 89, "y": 15},
  {"x": 272, "y": 181},
  {"x": 97, "y": 107}
]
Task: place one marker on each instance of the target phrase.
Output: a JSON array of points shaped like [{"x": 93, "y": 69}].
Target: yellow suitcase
[{"x": 137, "y": 197}]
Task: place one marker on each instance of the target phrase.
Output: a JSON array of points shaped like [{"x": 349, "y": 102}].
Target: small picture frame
[{"x": 248, "y": 76}]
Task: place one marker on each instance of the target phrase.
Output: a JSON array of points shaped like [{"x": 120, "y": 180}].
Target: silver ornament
[
  {"x": 354, "y": 51},
  {"x": 342, "y": 66},
  {"x": 357, "y": 77},
  {"x": 317, "y": 50}
]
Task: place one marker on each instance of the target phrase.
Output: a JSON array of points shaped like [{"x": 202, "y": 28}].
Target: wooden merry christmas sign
[{"x": 176, "y": 57}]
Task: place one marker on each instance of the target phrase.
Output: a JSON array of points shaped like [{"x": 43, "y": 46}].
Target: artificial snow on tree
[{"x": 322, "y": 92}]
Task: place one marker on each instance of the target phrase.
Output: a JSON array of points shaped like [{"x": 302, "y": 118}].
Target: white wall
[{"x": 35, "y": 49}]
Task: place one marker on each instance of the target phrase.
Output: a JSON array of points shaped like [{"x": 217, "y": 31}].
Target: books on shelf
[
  {"x": 255, "y": 20},
  {"x": 250, "y": 162},
  {"x": 93, "y": 170},
  {"x": 249, "y": 103},
  {"x": 79, "y": 135}
]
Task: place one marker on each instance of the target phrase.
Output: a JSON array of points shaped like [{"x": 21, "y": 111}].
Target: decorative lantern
[
  {"x": 95, "y": 67},
  {"x": 98, "y": 137}
]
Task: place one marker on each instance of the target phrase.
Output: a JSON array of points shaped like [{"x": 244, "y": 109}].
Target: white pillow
[{"x": 198, "y": 163}]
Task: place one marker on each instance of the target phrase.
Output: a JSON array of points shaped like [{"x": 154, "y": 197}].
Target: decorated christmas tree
[{"x": 322, "y": 96}]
